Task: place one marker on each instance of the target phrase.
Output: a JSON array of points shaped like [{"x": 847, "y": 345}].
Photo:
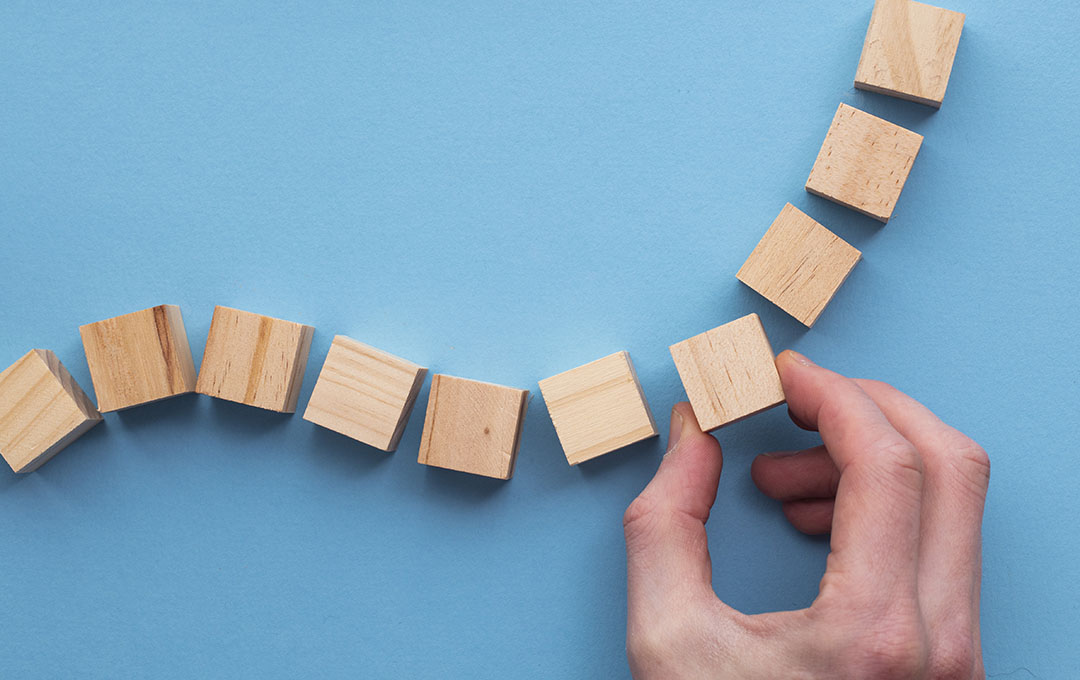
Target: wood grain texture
[
  {"x": 909, "y": 51},
  {"x": 729, "y": 372},
  {"x": 598, "y": 408},
  {"x": 364, "y": 393},
  {"x": 799, "y": 265},
  {"x": 473, "y": 426},
  {"x": 864, "y": 162},
  {"x": 42, "y": 410},
  {"x": 139, "y": 358},
  {"x": 255, "y": 360}
]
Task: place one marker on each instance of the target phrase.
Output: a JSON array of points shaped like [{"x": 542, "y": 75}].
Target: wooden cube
[
  {"x": 729, "y": 372},
  {"x": 42, "y": 410},
  {"x": 864, "y": 162},
  {"x": 598, "y": 407},
  {"x": 255, "y": 360},
  {"x": 139, "y": 358},
  {"x": 799, "y": 265},
  {"x": 909, "y": 51},
  {"x": 473, "y": 426},
  {"x": 364, "y": 393}
]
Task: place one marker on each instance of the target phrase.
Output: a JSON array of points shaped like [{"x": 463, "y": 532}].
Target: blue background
[{"x": 500, "y": 192}]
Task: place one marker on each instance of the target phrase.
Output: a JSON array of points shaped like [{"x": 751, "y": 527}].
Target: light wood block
[
  {"x": 364, "y": 393},
  {"x": 864, "y": 162},
  {"x": 598, "y": 408},
  {"x": 42, "y": 410},
  {"x": 473, "y": 426},
  {"x": 255, "y": 360},
  {"x": 799, "y": 265},
  {"x": 139, "y": 358},
  {"x": 729, "y": 372},
  {"x": 909, "y": 51}
]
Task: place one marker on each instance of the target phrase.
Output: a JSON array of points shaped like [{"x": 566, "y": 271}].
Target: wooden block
[
  {"x": 473, "y": 426},
  {"x": 255, "y": 360},
  {"x": 598, "y": 407},
  {"x": 364, "y": 393},
  {"x": 42, "y": 410},
  {"x": 138, "y": 358},
  {"x": 799, "y": 265},
  {"x": 909, "y": 51},
  {"x": 864, "y": 162},
  {"x": 729, "y": 372}
]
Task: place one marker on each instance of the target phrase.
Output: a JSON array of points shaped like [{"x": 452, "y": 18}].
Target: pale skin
[{"x": 901, "y": 494}]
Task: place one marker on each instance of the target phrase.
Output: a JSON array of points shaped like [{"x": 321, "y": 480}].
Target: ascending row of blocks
[
  {"x": 367, "y": 394},
  {"x": 864, "y": 160}
]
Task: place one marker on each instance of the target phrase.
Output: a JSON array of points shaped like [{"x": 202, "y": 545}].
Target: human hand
[{"x": 903, "y": 494}]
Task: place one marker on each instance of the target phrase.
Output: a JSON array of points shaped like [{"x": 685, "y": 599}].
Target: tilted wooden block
[
  {"x": 138, "y": 358},
  {"x": 255, "y": 360},
  {"x": 473, "y": 426},
  {"x": 799, "y": 265},
  {"x": 364, "y": 393},
  {"x": 909, "y": 51},
  {"x": 42, "y": 410},
  {"x": 729, "y": 372},
  {"x": 864, "y": 162},
  {"x": 598, "y": 407}
]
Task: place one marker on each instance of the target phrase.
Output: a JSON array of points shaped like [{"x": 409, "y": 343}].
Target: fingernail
[
  {"x": 800, "y": 358},
  {"x": 675, "y": 432}
]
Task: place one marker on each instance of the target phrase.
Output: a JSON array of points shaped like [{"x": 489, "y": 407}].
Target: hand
[{"x": 903, "y": 494}]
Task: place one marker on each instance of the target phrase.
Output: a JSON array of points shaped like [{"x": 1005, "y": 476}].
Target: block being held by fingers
[
  {"x": 909, "y": 51},
  {"x": 799, "y": 265},
  {"x": 864, "y": 162},
  {"x": 139, "y": 358},
  {"x": 729, "y": 372},
  {"x": 598, "y": 407},
  {"x": 364, "y": 393},
  {"x": 42, "y": 410},
  {"x": 254, "y": 360},
  {"x": 473, "y": 426}
]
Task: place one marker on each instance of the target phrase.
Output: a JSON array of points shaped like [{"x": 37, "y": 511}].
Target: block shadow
[
  {"x": 344, "y": 454},
  {"x": 246, "y": 420},
  {"x": 462, "y": 486},
  {"x": 174, "y": 410},
  {"x": 783, "y": 329},
  {"x": 645, "y": 453}
]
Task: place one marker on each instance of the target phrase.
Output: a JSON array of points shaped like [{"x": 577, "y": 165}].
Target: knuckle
[
  {"x": 890, "y": 650},
  {"x": 953, "y": 658},
  {"x": 962, "y": 462},
  {"x": 638, "y": 510},
  {"x": 972, "y": 462},
  {"x": 898, "y": 461},
  {"x": 898, "y": 453},
  {"x": 639, "y": 517}
]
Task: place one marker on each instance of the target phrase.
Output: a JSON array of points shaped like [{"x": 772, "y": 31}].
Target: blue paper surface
[{"x": 501, "y": 192}]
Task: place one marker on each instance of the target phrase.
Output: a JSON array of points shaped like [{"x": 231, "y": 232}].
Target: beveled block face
[
  {"x": 364, "y": 393},
  {"x": 139, "y": 358},
  {"x": 729, "y": 372},
  {"x": 909, "y": 51},
  {"x": 799, "y": 265},
  {"x": 864, "y": 162},
  {"x": 254, "y": 360},
  {"x": 598, "y": 407},
  {"x": 473, "y": 426},
  {"x": 42, "y": 410}
]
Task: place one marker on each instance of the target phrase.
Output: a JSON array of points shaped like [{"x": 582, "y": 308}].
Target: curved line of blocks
[{"x": 475, "y": 427}]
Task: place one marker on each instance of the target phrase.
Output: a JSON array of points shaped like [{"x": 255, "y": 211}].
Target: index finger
[{"x": 875, "y": 531}]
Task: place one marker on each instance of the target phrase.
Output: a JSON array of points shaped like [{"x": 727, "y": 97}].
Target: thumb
[{"x": 666, "y": 544}]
